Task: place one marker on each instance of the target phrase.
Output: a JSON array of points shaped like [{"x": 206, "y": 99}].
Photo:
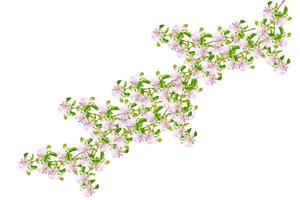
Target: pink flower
[
  {"x": 283, "y": 42},
  {"x": 64, "y": 107},
  {"x": 218, "y": 39},
  {"x": 182, "y": 117},
  {"x": 210, "y": 67},
  {"x": 164, "y": 125},
  {"x": 83, "y": 179},
  {"x": 262, "y": 31},
  {"x": 88, "y": 191},
  {"x": 155, "y": 82},
  {"x": 43, "y": 169},
  {"x": 273, "y": 59},
  {"x": 71, "y": 167},
  {"x": 99, "y": 167},
  {"x": 118, "y": 152},
  {"x": 189, "y": 140},
  {"x": 211, "y": 79},
  {"x": 232, "y": 64},
  {"x": 157, "y": 34},
  {"x": 138, "y": 138},
  {"x": 119, "y": 140},
  {"x": 134, "y": 80},
  {"x": 267, "y": 12},
  {"x": 149, "y": 138},
  {"x": 267, "y": 41},
  {"x": 84, "y": 149},
  {"x": 83, "y": 102},
  {"x": 195, "y": 37},
  {"x": 62, "y": 154},
  {"x": 176, "y": 29},
  {"x": 201, "y": 52},
  {"x": 85, "y": 160},
  {"x": 243, "y": 65},
  {"x": 117, "y": 90},
  {"x": 180, "y": 132},
  {"x": 257, "y": 53},
  {"x": 181, "y": 52},
  {"x": 80, "y": 118},
  {"x": 280, "y": 21},
  {"x": 24, "y": 164},
  {"x": 41, "y": 152},
  {"x": 282, "y": 68},
  {"x": 52, "y": 173},
  {"x": 174, "y": 45},
  {"x": 235, "y": 27},
  {"x": 102, "y": 109},
  {"x": 88, "y": 125},
  {"x": 109, "y": 124}
]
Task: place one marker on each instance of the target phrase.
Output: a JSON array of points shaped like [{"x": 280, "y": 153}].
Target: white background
[{"x": 248, "y": 147}]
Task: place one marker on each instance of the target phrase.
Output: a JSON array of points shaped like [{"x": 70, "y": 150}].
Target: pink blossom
[
  {"x": 117, "y": 90},
  {"x": 218, "y": 39},
  {"x": 164, "y": 125},
  {"x": 71, "y": 167},
  {"x": 99, "y": 167},
  {"x": 138, "y": 138},
  {"x": 176, "y": 29},
  {"x": 24, "y": 164},
  {"x": 62, "y": 154},
  {"x": 80, "y": 118},
  {"x": 257, "y": 53},
  {"x": 280, "y": 21},
  {"x": 84, "y": 149},
  {"x": 85, "y": 160},
  {"x": 282, "y": 68},
  {"x": 118, "y": 152},
  {"x": 283, "y": 42},
  {"x": 43, "y": 169},
  {"x": 209, "y": 66},
  {"x": 180, "y": 132},
  {"x": 83, "y": 179},
  {"x": 83, "y": 102},
  {"x": 181, "y": 52},
  {"x": 262, "y": 31},
  {"x": 109, "y": 124},
  {"x": 64, "y": 107},
  {"x": 149, "y": 138},
  {"x": 195, "y": 37},
  {"x": 232, "y": 64},
  {"x": 88, "y": 125},
  {"x": 211, "y": 79},
  {"x": 182, "y": 117},
  {"x": 235, "y": 27},
  {"x": 267, "y": 12},
  {"x": 157, "y": 34},
  {"x": 119, "y": 140},
  {"x": 52, "y": 173},
  {"x": 189, "y": 140},
  {"x": 155, "y": 82},
  {"x": 88, "y": 191},
  {"x": 243, "y": 65},
  {"x": 267, "y": 41},
  {"x": 273, "y": 59},
  {"x": 41, "y": 152},
  {"x": 150, "y": 117},
  {"x": 102, "y": 109},
  {"x": 174, "y": 45},
  {"x": 134, "y": 79},
  {"x": 201, "y": 52}
]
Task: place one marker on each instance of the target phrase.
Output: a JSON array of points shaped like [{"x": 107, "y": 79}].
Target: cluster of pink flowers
[{"x": 149, "y": 106}]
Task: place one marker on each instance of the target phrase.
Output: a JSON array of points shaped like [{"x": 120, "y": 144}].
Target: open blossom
[
  {"x": 99, "y": 167},
  {"x": 189, "y": 140},
  {"x": 258, "y": 52},
  {"x": 41, "y": 152},
  {"x": 157, "y": 34},
  {"x": 195, "y": 37},
  {"x": 268, "y": 12},
  {"x": 280, "y": 22},
  {"x": 282, "y": 68},
  {"x": 149, "y": 138},
  {"x": 262, "y": 31},
  {"x": 232, "y": 64},
  {"x": 134, "y": 79},
  {"x": 211, "y": 67},
  {"x": 202, "y": 52},
  {"x": 72, "y": 166},
  {"x": 176, "y": 29},
  {"x": 43, "y": 169},
  {"x": 117, "y": 90},
  {"x": 52, "y": 173},
  {"x": 64, "y": 107},
  {"x": 83, "y": 102},
  {"x": 88, "y": 191},
  {"x": 24, "y": 163},
  {"x": 235, "y": 27},
  {"x": 273, "y": 59},
  {"x": 211, "y": 79},
  {"x": 83, "y": 179},
  {"x": 118, "y": 152}
]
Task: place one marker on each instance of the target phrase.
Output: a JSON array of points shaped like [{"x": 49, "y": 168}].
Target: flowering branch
[{"x": 149, "y": 106}]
